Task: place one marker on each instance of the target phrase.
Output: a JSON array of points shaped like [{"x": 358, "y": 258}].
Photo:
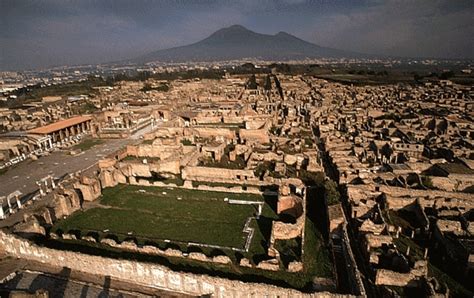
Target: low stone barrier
[{"x": 148, "y": 274}]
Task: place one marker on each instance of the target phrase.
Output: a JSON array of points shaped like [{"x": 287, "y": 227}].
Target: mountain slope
[{"x": 237, "y": 42}]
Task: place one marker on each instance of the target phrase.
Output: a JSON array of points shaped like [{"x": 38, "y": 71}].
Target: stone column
[
  {"x": 50, "y": 143},
  {"x": 10, "y": 209},
  {"x": 61, "y": 135},
  {"x": 18, "y": 202},
  {"x": 259, "y": 210},
  {"x": 53, "y": 184},
  {"x": 2, "y": 214},
  {"x": 40, "y": 186},
  {"x": 46, "y": 188}
]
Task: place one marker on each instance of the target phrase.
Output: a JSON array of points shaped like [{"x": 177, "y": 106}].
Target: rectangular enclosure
[{"x": 174, "y": 214}]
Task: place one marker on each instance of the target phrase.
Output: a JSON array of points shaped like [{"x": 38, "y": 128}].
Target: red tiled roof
[{"x": 60, "y": 125}]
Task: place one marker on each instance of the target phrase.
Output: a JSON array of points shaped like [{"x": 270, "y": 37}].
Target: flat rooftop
[{"x": 60, "y": 125}]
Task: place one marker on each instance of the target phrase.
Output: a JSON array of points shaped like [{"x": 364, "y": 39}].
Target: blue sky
[{"x": 43, "y": 33}]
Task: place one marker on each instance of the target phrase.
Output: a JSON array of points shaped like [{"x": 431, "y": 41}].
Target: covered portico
[{"x": 64, "y": 130}]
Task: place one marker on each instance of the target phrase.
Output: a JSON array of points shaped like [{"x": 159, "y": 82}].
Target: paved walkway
[
  {"x": 59, "y": 163},
  {"x": 24, "y": 175}
]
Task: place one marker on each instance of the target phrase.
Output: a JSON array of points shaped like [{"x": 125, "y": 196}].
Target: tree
[
  {"x": 248, "y": 66},
  {"x": 446, "y": 75},
  {"x": 331, "y": 193},
  {"x": 252, "y": 83},
  {"x": 268, "y": 83},
  {"x": 417, "y": 77},
  {"x": 386, "y": 151},
  {"x": 312, "y": 178}
]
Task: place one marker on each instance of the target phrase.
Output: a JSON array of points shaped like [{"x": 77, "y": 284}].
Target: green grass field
[
  {"x": 201, "y": 216},
  {"x": 156, "y": 213}
]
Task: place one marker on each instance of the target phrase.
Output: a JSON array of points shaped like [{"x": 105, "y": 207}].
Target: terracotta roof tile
[{"x": 60, "y": 125}]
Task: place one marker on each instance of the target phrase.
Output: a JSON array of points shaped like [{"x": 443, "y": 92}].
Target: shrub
[{"x": 331, "y": 193}]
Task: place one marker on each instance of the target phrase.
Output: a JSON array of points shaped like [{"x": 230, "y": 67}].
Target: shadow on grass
[{"x": 272, "y": 201}]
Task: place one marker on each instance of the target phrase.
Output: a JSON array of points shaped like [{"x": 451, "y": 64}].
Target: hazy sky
[{"x": 37, "y": 33}]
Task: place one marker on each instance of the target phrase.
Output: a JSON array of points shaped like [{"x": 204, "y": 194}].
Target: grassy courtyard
[
  {"x": 159, "y": 213},
  {"x": 200, "y": 216}
]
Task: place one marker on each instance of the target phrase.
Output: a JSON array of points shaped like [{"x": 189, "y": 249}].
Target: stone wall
[
  {"x": 208, "y": 119},
  {"x": 398, "y": 197},
  {"x": 146, "y": 273},
  {"x": 255, "y": 124},
  {"x": 216, "y": 174},
  {"x": 354, "y": 276},
  {"x": 336, "y": 217},
  {"x": 164, "y": 132},
  {"x": 291, "y": 205},
  {"x": 450, "y": 184},
  {"x": 284, "y": 231},
  {"x": 66, "y": 201},
  {"x": 89, "y": 187},
  {"x": 392, "y": 278},
  {"x": 150, "y": 150},
  {"x": 255, "y": 135},
  {"x": 211, "y": 133}
]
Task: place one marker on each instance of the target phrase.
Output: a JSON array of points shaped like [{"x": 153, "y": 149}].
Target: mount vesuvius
[{"x": 237, "y": 42}]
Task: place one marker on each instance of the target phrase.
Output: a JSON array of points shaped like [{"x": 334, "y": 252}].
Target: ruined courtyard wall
[
  {"x": 208, "y": 119},
  {"x": 354, "y": 275},
  {"x": 168, "y": 166},
  {"x": 283, "y": 231},
  {"x": 162, "y": 151},
  {"x": 267, "y": 156},
  {"x": 398, "y": 191},
  {"x": 255, "y": 124},
  {"x": 399, "y": 202},
  {"x": 255, "y": 135},
  {"x": 292, "y": 205},
  {"x": 211, "y": 133},
  {"x": 146, "y": 273},
  {"x": 132, "y": 150},
  {"x": 215, "y": 174},
  {"x": 164, "y": 132},
  {"x": 450, "y": 184},
  {"x": 120, "y": 154},
  {"x": 392, "y": 278},
  {"x": 438, "y": 202},
  {"x": 233, "y": 119},
  {"x": 398, "y": 197}
]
